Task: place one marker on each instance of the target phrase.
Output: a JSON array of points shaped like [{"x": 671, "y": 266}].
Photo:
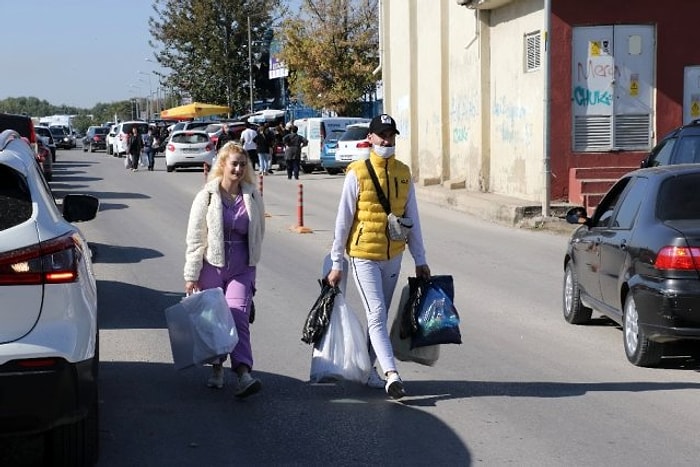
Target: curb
[{"x": 505, "y": 210}]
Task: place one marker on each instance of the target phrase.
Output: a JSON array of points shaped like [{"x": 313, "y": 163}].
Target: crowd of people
[{"x": 227, "y": 224}]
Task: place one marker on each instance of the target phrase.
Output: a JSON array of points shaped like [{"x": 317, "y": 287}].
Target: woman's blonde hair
[{"x": 226, "y": 151}]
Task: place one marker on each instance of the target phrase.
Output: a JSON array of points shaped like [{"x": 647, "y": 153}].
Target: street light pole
[{"x": 250, "y": 66}]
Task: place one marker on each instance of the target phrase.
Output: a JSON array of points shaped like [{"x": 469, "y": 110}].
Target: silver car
[{"x": 189, "y": 148}]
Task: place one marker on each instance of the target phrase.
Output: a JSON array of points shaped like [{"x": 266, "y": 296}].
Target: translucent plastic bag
[
  {"x": 437, "y": 319},
  {"x": 342, "y": 353},
  {"x": 201, "y": 328}
]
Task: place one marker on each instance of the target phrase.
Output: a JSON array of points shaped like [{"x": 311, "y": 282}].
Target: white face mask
[{"x": 384, "y": 151}]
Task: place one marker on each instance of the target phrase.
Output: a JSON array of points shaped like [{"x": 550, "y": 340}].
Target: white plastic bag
[
  {"x": 342, "y": 352},
  {"x": 201, "y": 328}
]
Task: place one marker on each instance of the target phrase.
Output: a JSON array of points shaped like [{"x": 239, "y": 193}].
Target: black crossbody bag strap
[{"x": 380, "y": 193}]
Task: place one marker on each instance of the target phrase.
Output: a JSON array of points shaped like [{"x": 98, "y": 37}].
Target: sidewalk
[{"x": 506, "y": 210}]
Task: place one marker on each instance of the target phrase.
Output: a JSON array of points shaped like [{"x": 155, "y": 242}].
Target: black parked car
[
  {"x": 637, "y": 260},
  {"x": 95, "y": 138},
  {"x": 61, "y": 137},
  {"x": 681, "y": 146}
]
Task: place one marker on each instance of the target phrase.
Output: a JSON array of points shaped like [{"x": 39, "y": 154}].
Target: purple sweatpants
[{"x": 236, "y": 278}]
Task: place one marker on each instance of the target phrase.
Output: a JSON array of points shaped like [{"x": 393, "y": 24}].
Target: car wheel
[
  {"x": 307, "y": 169},
  {"x": 109, "y": 149},
  {"x": 639, "y": 349},
  {"x": 84, "y": 148},
  {"x": 575, "y": 312},
  {"x": 333, "y": 171},
  {"x": 169, "y": 168}
]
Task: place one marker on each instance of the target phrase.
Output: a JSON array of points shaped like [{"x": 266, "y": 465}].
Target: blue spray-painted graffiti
[
  {"x": 460, "y": 135},
  {"x": 586, "y": 97}
]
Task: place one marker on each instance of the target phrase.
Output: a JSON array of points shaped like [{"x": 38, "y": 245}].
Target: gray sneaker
[
  {"x": 247, "y": 386},
  {"x": 216, "y": 380}
]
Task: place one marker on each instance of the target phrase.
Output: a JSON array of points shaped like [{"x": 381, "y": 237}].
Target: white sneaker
[
  {"x": 216, "y": 380},
  {"x": 394, "y": 386},
  {"x": 247, "y": 385},
  {"x": 375, "y": 381}
]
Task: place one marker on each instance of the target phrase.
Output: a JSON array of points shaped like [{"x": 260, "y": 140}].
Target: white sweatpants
[{"x": 376, "y": 281}]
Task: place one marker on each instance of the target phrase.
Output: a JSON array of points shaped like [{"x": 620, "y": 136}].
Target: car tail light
[
  {"x": 682, "y": 259},
  {"x": 50, "y": 262},
  {"x": 363, "y": 145},
  {"x": 208, "y": 148},
  {"x": 170, "y": 147}
]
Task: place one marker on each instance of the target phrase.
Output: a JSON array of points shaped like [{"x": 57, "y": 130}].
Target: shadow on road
[
  {"x": 154, "y": 415},
  {"x": 132, "y": 306}
]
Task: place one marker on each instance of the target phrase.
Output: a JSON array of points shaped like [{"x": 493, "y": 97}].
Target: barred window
[{"x": 533, "y": 46}]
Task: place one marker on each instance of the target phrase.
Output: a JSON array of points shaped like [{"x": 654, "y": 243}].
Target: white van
[{"x": 315, "y": 130}]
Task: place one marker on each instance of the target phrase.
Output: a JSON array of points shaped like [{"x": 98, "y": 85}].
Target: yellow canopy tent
[{"x": 194, "y": 110}]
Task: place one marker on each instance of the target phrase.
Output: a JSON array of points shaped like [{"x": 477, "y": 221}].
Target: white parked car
[
  {"x": 48, "y": 312},
  {"x": 111, "y": 135},
  {"x": 353, "y": 144},
  {"x": 121, "y": 135},
  {"x": 189, "y": 148}
]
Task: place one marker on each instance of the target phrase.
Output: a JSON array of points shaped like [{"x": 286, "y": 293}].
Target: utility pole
[{"x": 250, "y": 66}]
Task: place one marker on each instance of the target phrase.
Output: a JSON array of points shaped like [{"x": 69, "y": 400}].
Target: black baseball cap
[{"x": 382, "y": 123}]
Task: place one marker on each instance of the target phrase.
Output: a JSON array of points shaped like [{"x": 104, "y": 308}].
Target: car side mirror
[
  {"x": 79, "y": 208},
  {"x": 577, "y": 215}
]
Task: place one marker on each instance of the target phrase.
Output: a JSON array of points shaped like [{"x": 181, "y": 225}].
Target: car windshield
[
  {"x": 213, "y": 127},
  {"x": 190, "y": 138},
  {"x": 688, "y": 150},
  {"x": 101, "y": 131},
  {"x": 679, "y": 198},
  {"x": 42, "y": 131},
  {"x": 57, "y": 131},
  {"x": 334, "y": 136},
  {"x": 15, "y": 198},
  {"x": 355, "y": 134}
]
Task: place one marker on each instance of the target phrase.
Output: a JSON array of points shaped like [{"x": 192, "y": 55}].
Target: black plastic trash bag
[{"x": 320, "y": 314}]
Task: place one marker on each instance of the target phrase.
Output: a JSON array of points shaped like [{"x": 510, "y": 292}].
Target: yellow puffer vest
[{"x": 368, "y": 237}]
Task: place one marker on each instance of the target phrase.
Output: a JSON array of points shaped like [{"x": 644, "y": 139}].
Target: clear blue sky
[{"x": 75, "y": 52}]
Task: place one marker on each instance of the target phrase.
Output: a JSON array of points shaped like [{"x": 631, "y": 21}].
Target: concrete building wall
[
  {"x": 431, "y": 77},
  {"x": 454, "y": 80},
  {"x": 517, "y": 102}
]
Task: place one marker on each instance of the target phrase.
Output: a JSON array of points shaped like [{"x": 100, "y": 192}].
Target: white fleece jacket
[{"x": 205, "y": 229}]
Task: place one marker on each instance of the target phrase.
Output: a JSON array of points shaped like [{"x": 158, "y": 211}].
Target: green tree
[
  {"x": 331, "y": 49},
  {"x": 204, "y": 44}
]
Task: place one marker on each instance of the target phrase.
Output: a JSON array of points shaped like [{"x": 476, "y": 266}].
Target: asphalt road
[{"x": 525, "y": 388}]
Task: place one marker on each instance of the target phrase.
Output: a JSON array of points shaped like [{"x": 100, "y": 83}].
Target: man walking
[
  {"x": 248, "y": 141},
  {"x": 378, "y": 191}
]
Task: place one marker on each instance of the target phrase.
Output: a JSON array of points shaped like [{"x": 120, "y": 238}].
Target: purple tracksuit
[{"x": 237, "y": 278}]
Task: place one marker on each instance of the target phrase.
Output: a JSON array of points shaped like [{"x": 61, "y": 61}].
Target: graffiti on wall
[
  {"x": 463, "y": 110},
  {"x": 594, "y": 82},
  {"x": 512, "y": 122},
  {"x": 590, "y": 97}
]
